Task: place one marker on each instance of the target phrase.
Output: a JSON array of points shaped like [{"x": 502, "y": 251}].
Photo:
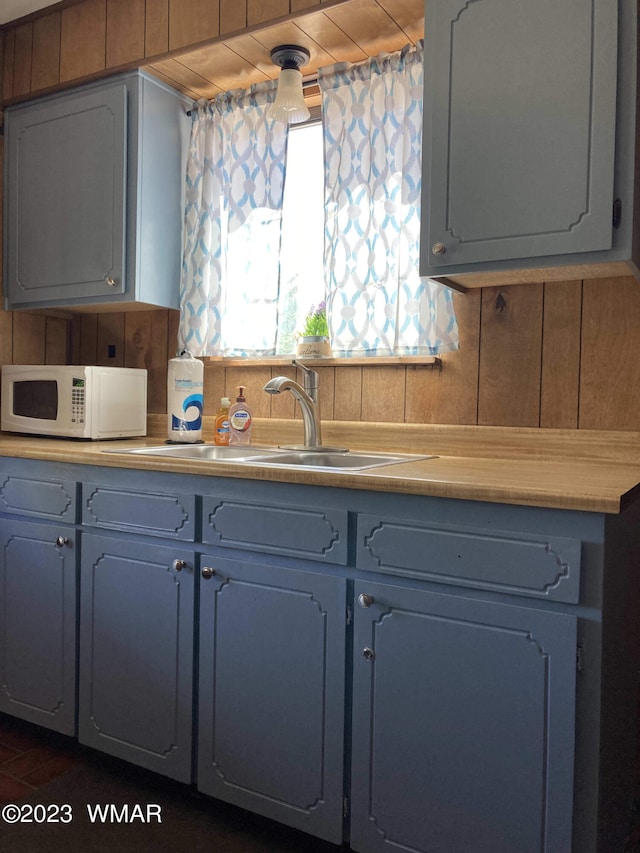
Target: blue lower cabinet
[
  {"x": 271, "y": 692},
  {"x": 136, "y": 652},
  {"x": 38, "y": 623},
  {"x": 398, "y": 684},
  {"x": 463, "y": 724}
]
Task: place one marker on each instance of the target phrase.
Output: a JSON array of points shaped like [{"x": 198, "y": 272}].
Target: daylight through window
[{"x": 301, "y": 255}]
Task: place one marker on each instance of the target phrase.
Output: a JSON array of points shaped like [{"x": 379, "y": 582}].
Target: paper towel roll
[{"x": 185, "y": 399}]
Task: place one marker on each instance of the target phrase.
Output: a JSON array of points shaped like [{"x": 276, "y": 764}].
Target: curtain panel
[
  {"x": 232, "y": 227},
  {"x": 377, "y": 303}
]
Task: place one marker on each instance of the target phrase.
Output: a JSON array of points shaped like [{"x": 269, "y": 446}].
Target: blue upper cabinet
[
  {"x": 529, "y": 124},
  {"x": 93, "y": 194}
]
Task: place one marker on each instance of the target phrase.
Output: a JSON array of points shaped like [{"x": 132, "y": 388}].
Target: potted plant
[{"x": 313, "y": 340}]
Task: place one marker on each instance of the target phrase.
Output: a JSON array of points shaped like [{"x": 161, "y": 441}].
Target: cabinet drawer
[
  {"x": 310, "y": 532},
  {"x": 54, "y": 499},
  {"x": 503, "y": 561},
  {"x": 152, "y": 514}
]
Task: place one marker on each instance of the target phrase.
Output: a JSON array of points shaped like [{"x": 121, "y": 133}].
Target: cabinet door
[
  {"x": 136, "y": 652},
  {"x": 272, "y": 664},
  {"x": 65, "y": 196},
  {"x": 519, "y": 129},
  {"x": 463, "y": 725},
  {"x": 38, "y": 623}
]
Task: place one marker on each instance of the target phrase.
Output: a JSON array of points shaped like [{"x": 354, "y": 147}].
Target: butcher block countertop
[{"x": 586, "y": 470}]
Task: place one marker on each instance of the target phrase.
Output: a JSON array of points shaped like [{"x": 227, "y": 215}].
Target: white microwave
[{"x": 71, "y": 401}]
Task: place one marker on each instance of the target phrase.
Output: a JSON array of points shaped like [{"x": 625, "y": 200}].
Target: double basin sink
[{"x": 277, "y": 456}]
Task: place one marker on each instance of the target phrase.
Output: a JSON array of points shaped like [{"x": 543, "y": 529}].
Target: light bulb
[{"x": 289, "y": 105}]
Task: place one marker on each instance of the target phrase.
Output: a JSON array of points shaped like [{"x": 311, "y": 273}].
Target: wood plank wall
[
  {"x": 563, "y": 355},
  {"x": 81, "y": 39}
]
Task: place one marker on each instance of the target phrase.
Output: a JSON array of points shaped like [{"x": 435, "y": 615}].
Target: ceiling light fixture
[{"x": 289, "y": 105}]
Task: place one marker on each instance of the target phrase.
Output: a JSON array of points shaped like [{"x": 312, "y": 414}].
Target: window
[
  {"x": 302, "y": 247},
  {"x": 279, "y": 219}
]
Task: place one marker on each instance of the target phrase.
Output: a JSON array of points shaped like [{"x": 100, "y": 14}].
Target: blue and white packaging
[{"x": 185, "y": 399}]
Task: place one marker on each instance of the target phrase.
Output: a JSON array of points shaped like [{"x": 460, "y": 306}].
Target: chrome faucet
[{"x": 309, "y": 400}]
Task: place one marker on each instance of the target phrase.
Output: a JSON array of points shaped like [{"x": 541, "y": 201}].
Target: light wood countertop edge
[{"x": 572, "y": 484}]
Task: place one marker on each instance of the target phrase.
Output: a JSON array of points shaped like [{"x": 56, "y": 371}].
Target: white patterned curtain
[
  {"x": 230, "y": 267},
  {"x": 377, "y": 303}
]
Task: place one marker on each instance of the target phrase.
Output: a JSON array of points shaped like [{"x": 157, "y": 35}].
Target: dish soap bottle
[
  {"x": 221, "y": 428},
  {"x": 240, "y": 420}
]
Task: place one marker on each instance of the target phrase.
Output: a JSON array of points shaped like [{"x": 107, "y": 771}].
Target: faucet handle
[
  {"x": 297, "y": 363},
  {"x": 308, "y": 372},
  {"x": 310, "y": 380}
]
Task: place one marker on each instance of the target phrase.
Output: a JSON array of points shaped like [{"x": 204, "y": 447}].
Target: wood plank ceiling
[{"x": 348, "y": 32}]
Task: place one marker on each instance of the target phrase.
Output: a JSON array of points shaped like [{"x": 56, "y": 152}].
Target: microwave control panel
[{"x": 78, "y": 401}]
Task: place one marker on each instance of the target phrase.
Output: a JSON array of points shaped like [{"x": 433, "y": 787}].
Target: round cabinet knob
[
  {"x": 61, "y": 541},
  {"x": 110, "y": 281},
  {"x": 438, "y": 248},
  {"x": 365, "y": 600},
  {"x": 178, "y": 565},
  {"x": 368, "y": 654},
  {"x": 208, "y": 573}
]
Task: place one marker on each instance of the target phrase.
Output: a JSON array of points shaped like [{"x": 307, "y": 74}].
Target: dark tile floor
[
  {"x": 41, "y": 767},
  {"x": 31, "y": 757},
  {"x": 34, "y": 764}
]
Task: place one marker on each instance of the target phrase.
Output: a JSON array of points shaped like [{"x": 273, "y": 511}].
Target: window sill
[{"x": 432, "y": 362}]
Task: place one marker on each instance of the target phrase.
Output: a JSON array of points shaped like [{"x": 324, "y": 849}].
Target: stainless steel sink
[
  {"x": 350, "y": 460},
  {"x": 276, "y": 457},
  {"x": 200, "y": 451}
]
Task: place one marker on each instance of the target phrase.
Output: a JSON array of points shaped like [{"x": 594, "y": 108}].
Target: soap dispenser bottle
[
  {"x": 240, "y": 420},
  {"x": 221, "y": 428}
]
